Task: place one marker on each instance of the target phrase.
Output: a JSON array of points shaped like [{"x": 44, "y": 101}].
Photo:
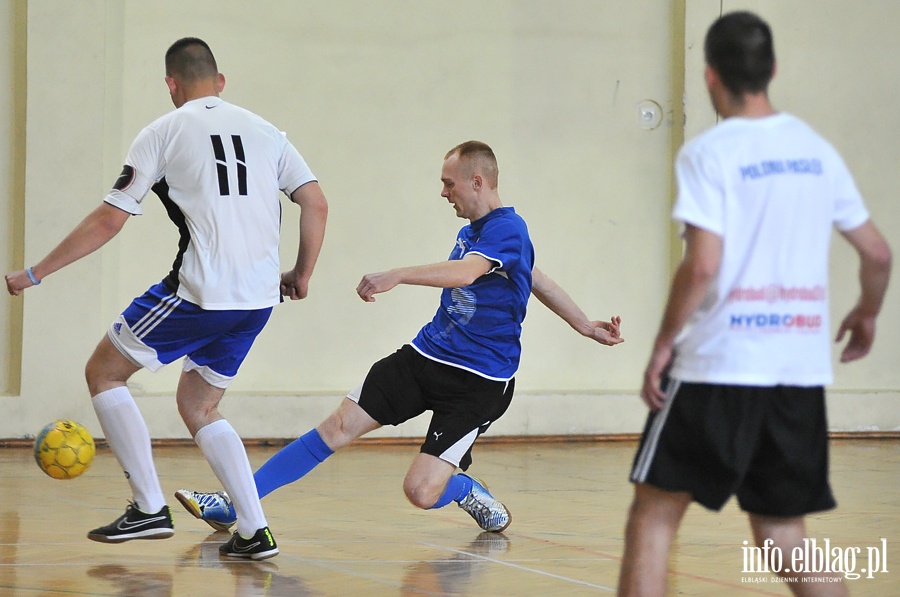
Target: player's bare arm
[
  {"x": 703, "y": 253},
  {"x": 446, "y": 274},
  {"x": 92, "y": 233},
  {"x": 874, "y": 273},
  {"x": 313, "y": 215},
  {"x": 551, "y": 295}
]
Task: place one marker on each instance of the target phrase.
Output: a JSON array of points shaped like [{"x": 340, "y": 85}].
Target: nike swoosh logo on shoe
[
  {"x": 246, "y": 548},
  {"x": 126, "y": 525}
]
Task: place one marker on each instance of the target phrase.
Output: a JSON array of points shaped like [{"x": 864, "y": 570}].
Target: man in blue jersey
[
  {"x": 460, "y": 366},
  {"x": 219, "y": 171}
]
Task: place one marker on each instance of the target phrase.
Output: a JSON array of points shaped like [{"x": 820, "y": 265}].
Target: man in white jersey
[
  {"x": 219, "y": 171},
  {"x": 736, "y": 376}
]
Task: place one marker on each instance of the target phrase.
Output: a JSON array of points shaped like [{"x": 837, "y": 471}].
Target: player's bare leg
[
  {"x": 346, "y": 424},
  {"x": 108, "y": 368},
  {"x": 426, "y": 480},
  {"x": 198, "y": 401},
  {"x": 786, "y": 534},
  {"x": 653, "y": 520}
]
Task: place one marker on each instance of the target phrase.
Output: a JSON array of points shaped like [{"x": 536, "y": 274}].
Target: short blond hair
[{"x": 480, "y": 158}]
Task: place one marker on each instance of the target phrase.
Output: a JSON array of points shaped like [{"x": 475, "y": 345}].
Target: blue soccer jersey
[{"x": 478, "y": 327}]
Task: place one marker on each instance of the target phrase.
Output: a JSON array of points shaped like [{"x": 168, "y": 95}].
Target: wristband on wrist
[{"x": 30, "y": 272}]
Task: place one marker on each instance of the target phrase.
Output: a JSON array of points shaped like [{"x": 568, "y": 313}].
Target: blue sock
[
  {"x": 458, "y": 487},
  {"x": 291, "y": 463}
]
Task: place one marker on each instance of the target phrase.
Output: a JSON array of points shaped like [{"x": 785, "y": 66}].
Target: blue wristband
[{"x": 30, "y": 272}]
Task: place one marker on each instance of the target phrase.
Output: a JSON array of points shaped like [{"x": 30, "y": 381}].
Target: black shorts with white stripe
[
  {"x": 766, "y": 445},
  {"x": 406, "y": 384}
]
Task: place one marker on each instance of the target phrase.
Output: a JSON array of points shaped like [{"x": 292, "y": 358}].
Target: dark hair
[
  {"x": 739, "y": 48},
  {"x": 481, "y": 158},
  {"x": 190, "y": 59}
]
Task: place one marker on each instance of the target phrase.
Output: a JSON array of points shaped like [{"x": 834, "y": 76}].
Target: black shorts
[
  {"x": 767, "y": 445},
  {"x": 406, "y": 384}
]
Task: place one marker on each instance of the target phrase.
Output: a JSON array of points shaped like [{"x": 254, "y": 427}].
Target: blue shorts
[{"x": 158, "y": 328}]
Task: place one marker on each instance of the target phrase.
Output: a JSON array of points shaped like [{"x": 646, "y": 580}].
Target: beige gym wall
[{"x": 373, "y": 95}]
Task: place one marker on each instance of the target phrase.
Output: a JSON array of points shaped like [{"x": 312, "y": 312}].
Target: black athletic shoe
[
  {"x": 258, "y": 547},
  {"x": 135, "y": 524}
]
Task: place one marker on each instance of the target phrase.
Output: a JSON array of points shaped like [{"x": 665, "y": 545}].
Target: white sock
[
  {"x": 128, "y": 437},
  {"x": 225, "y": 453}
]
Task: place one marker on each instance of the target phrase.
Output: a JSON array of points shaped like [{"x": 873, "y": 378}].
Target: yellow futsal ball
[{"x": 64, "y": 449}]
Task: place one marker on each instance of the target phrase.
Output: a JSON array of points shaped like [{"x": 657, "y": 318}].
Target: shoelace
[
  {"x": 208, "y": 500},
  {"x": 480, "y": 510}
]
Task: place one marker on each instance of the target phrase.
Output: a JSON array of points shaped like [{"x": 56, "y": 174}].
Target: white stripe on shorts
[
  {"x": 356, "y": 392},
  {"x": 131, "y": 346},
  {"x": 648, "y": 450},
  {"x": 217, "y": 380},
  {"x": 454, "y": 453},
  {"x": 153, "y": 317}
]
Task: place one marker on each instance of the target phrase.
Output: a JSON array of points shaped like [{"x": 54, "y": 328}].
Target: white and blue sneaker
[
  {"x": 490, "y": 514},
  {"x": 214, "y": 508}
]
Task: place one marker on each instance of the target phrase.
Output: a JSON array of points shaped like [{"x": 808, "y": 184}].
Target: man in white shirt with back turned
[
  {"x": 218, "y": 170},
  {"x": 736, "y": 379}
]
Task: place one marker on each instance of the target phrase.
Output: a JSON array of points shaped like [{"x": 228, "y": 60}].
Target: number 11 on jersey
[{"x": 222, "y": 164}]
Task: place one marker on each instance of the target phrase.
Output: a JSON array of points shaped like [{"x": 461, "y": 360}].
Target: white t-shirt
[
  {"x": 218, "y": 170},
  {"x": 772, "y": 188}
]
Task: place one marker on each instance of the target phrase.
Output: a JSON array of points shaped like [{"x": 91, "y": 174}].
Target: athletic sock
[
  {"x": 458, "y": 487},
  {"x": 224, "y": 450},
  {"x": 291, "y": 462},
  {"x": 128, "y": 437}
]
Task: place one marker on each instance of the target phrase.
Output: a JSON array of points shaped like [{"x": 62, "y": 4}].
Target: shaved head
[
  {"x": 189, "y": 59},
  {"x": 477, "y": 157}
]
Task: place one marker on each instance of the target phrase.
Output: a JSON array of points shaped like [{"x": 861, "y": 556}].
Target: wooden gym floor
[{"x": 347, "y": 529}]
